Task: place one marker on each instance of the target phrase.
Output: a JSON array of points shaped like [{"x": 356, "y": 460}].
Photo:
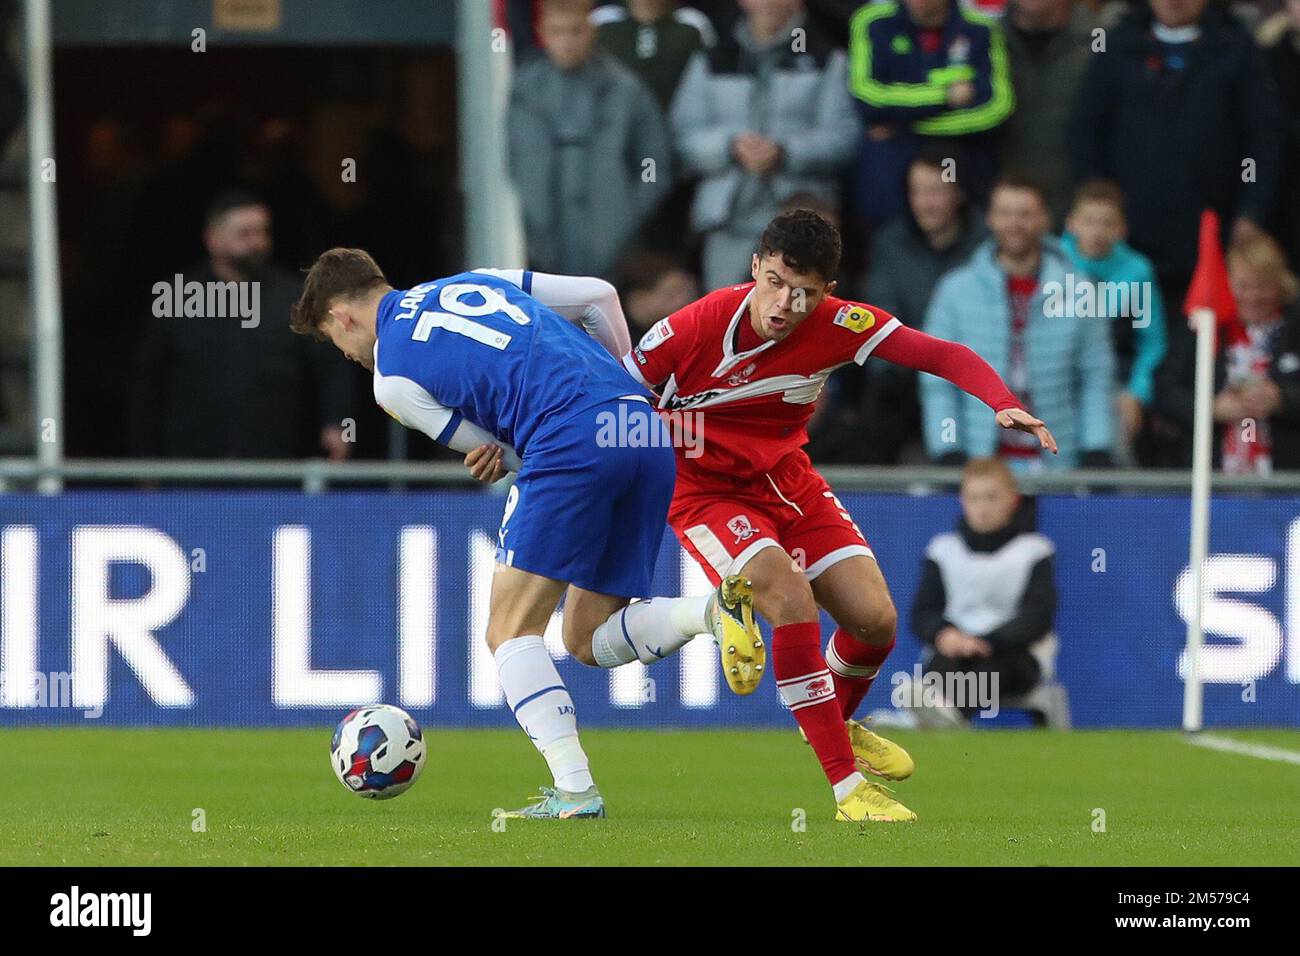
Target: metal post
[
  {"x": 47, "y": 306},
  {"x": 493, "y": 234}
]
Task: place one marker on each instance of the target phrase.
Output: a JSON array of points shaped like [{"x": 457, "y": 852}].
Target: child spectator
[
  {"x": 987, "y": 595},
  {"x": 1094, "y": 240}
]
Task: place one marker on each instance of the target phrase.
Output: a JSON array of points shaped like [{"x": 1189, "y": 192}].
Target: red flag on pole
[{"x": 1210, "y": 288}]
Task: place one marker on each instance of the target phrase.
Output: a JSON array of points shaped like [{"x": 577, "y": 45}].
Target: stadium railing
[{"x": 318, "y": 475}]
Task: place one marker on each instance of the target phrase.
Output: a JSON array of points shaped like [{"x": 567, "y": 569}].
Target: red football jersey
[{"x": 739, "y": 413}]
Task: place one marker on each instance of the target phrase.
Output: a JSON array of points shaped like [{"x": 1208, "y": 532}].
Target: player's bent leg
[
  {"x": 781, "y": 594},
  {"x": 785, "y": 598},
  {"x": 585, "y": 612},
  {"x": 521, "y": 603},
  {"x": 854, "y": 593},
  {"x": 519, "y": 609},
  {"x": 608, "y": 631}
]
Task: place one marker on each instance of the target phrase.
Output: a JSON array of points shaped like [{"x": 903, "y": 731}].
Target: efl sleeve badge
[{"x": 855, "y": 318}]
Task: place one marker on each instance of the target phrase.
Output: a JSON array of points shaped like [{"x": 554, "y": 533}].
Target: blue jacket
[
  {"x": 1139, "y": 349},
  {"x": 1070, "y": 362}
]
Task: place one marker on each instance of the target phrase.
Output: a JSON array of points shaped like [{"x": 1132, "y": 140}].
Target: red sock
[
  {"x": 806, "y": 687},
  {"x": 854, "y": 667}
]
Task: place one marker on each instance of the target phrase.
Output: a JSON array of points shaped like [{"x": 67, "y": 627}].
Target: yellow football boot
[
  {"x": 876, "y": 755},
  {"x": 731, "y": 621},
  {"x": 871, "y": 803}
]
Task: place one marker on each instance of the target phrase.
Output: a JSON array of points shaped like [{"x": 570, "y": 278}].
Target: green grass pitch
[{"x": 127, "y": 797}]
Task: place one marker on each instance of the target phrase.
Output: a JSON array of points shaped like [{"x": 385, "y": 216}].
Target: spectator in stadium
[
  {"x": 1094, "y": 241},
  {"x": 759, "y": 118},
  {"x": 938, "y": 231},
  {"x": 1049, "y": 44},
  {"x": 1280, "y": 36},
  {"x": 1257, "y": 373},
  {"x": 1181, "y": 112},
  {"x": 987, "y": 596},
  {"x": 925, "y": 71},
  {"x": 652, "y": 286},
  {"x": 588, "y": 148},
  {"x": 655, "y": 39},
  {"x": 1007, "y": 302},
  {"x": 237, "y": 386}
]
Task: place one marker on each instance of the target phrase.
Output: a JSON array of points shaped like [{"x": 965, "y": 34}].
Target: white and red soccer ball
[{"x": 377, "y": 752}]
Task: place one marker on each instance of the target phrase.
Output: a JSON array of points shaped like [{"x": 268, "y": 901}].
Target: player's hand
[
  {"x": 1263, "y": 398},
  {"x": 1130, "y": 414},
  {"x": 959, "y": 94},
  {"x": 334, "y": 444},
  {"x": 955, "y": 643},
  {"x": 1022, "y": 421},
  {"x": 484, "y": 464}
]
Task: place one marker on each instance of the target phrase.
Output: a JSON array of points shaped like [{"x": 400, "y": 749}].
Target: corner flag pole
[
  {"x": 1204, "y": 319},
  {"x": 1209, "y": 302}
]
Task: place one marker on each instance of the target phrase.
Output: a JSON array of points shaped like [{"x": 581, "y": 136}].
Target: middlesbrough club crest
[{"x": 741, "y": 528}]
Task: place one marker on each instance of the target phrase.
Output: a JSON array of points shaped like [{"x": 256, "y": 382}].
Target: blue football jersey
[{"x": 482, "y": 346}]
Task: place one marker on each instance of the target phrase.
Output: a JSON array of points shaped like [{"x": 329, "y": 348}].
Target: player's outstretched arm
[{"x": 960, "y": 365}]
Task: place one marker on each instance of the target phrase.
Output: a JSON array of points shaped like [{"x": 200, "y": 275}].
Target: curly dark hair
[{"x": 805, "y": 242}]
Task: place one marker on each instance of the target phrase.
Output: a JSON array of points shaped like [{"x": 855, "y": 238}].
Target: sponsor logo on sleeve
[
  {"x": 855, "y": 318},
  {"x": 659, "y": 333}
]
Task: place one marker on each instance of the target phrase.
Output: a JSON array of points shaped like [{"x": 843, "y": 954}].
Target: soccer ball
[{"x": 377, "y": 752}]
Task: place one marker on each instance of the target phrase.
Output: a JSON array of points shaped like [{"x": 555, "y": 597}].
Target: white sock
[
  {"x": 847, "y": 785},
  {"x": 648, "y": 631},
  {"x": 544, "y": 709}
]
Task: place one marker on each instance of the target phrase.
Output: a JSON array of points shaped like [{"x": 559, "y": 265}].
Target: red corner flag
[{"x": 1210, "y": 288}]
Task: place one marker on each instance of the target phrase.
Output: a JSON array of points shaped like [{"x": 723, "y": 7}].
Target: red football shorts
[{"x": 723, "y": 524}]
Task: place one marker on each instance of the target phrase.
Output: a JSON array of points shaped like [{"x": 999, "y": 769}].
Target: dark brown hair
[
  {"x": 1102, "y": 191},
  {"x": 336, "y": 274},
  {"x": 1020, "y": 181}
]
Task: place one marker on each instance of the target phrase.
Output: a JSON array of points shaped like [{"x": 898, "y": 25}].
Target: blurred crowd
[
  {"x": 1026, "y": 177},
  {"x": 1023, "y": 176}
]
